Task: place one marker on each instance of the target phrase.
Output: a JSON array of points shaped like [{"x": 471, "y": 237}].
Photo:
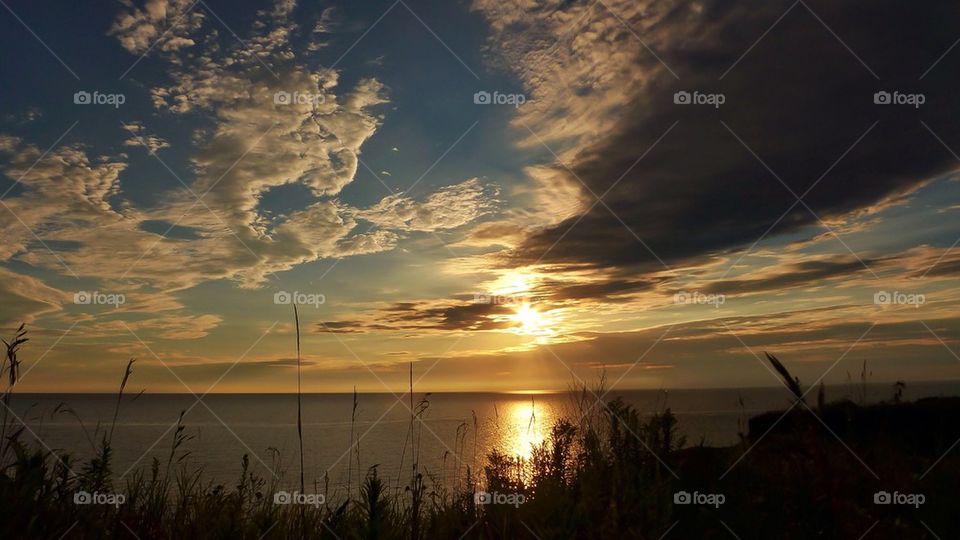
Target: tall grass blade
[
  {"x": 296, "y": 318},
  {"x": 123, "y": 385},
  {"x": 793, "y": 383}
]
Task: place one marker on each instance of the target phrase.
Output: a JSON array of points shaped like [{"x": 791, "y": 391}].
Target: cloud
[
  {"x": 140, "y": 139},
  {"x": 804, "y": 273},
  {"x": 24, "y": 299},
  {"x": 57, "y": 193},
  {"x": 275, "y": 122},
  {"x": 328, "y": 22},
  {"x": 603, "y": 99},
  {"x": 163, "y": 24},
  {"x": 447, "y": 208},
  {"x": 425, "y": 316},
  {"x": 607, "y": 290},
  {"x": 268, "y": 120},
  {"x": 278, "y": 123},
  {"x": 152, "y": 143},
  {"x": 175, "y": 326}
]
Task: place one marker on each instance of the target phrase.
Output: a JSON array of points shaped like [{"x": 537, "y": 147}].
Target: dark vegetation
[{"x": 612, "y": 472}]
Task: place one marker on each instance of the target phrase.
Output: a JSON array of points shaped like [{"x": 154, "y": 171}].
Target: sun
[{"x": 530, "y": 321}]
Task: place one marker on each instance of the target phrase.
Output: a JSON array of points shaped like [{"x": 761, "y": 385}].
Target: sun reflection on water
[{"x": 524, "y": 424}]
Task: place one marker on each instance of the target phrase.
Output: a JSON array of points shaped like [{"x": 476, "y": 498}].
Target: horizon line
[{"x": 503, "y": 392}]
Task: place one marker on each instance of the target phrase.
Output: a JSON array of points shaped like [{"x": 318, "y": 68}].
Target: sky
[{"x": 506, "y": 196}]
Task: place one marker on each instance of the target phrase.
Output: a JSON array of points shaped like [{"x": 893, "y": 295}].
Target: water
[{"x": 223, "y": 427}]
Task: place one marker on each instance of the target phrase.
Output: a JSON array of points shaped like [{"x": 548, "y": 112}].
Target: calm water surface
[{"x": 458, "y": 429}]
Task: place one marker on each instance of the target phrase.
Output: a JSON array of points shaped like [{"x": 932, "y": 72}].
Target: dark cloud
[
  {"x": 466, "y": 314},
  {"x": 340, "y": 327},
  {"x": 611, "y": 290},
  {"x": 799, "y": 99},
  {"x": 424, "y": 316},
  {"x": 796, "y": 275},
  {"x": 947, "y": 266}
]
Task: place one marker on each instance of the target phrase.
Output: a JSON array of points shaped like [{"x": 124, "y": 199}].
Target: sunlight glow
[
  {"x": 526, "y": 427},
  {"x": 531, "y": 322},
  {"x": 527, "y": 315},
  {"x": 514, "y": 283}
]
